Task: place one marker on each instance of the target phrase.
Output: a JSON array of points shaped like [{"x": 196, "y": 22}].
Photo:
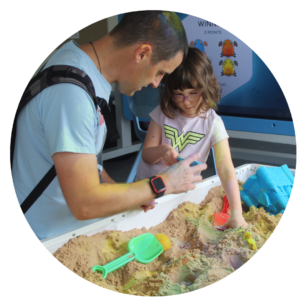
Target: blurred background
[{"x": 246, "y": 146}]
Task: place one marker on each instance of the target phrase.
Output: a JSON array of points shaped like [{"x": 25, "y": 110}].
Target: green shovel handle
[{"x": 115, "y": 264}]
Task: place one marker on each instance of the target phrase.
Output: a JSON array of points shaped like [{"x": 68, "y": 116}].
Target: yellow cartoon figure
[
  {"x": 164, "y": 240},
  {"x": 228, "y": 67}
]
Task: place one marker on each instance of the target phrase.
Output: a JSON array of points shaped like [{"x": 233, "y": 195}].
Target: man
[{"x": 61, "y": 126}]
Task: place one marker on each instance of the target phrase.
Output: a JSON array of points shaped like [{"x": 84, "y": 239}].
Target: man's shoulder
[
  {"x": 68, "y": 54},
  {"x": 66, "y": 94}
]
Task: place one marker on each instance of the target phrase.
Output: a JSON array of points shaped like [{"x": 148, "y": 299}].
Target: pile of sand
[{"x": 199, "y": 256}]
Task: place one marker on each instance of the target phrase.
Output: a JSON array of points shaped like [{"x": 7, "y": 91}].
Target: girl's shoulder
[
  {"x": 210, "y": 114},
  {"x": 215, "y": 116},
  {"x": 209, "y": 118},
  {"x": 157, "y": 114},
  {"x": 156, "y": 111}
]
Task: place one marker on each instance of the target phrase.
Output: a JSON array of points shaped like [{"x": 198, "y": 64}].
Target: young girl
[{"x": 185, "y": 123}]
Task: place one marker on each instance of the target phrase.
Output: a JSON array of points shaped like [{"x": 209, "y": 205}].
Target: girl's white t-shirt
[{"x": 186, "y": 135}]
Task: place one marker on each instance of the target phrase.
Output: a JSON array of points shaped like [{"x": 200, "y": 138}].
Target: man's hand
[{"x": 180, "y": 177}]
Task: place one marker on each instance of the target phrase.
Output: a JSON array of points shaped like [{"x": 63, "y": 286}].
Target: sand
[{"x": 199, "y": 256}]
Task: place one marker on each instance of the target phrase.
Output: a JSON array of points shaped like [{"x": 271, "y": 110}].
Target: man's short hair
[{"x": 163, "y": 30}]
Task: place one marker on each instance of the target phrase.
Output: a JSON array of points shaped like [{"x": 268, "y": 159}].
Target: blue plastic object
[
  {"x": 269, "y": 188},
  {"x": 194, "y": 163}
]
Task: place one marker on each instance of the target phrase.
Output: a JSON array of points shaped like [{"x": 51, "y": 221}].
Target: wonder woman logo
[{"x": 182, "y": 140}]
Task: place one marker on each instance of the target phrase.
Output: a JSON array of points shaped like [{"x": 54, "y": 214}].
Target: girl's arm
[
  {"x": 229, "y": 181},
  {"x": 106, "y": 178},
  {"x": 153, "y": 150}
]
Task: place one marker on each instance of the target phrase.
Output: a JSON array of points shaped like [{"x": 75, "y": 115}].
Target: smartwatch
[{"x": 158, "y": 186}]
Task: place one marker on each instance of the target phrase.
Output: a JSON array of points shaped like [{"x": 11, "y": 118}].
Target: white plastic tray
[{"x": 138, "y": 219}]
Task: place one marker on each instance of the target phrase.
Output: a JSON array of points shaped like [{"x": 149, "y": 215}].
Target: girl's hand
[
  {"x": 236, "y": 220},
  {"x": 147, "y": 206},
  {"x": 169, "y": 155}
]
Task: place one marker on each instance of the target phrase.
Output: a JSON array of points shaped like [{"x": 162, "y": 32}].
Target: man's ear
[{"x": 143, "y": 52}]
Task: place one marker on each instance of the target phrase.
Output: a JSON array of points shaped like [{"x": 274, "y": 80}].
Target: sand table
[{"x": 199, "y": 256}]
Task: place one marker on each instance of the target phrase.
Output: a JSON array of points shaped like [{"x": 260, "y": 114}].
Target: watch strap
[{"x": 158, "y": 194}]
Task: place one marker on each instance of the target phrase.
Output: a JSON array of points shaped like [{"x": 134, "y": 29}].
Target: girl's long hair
[{"x": 195, "y": 71}]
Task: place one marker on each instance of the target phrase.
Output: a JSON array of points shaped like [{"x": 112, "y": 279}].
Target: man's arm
[
  {"x": 107, "y": 179},
  {"x": 88, "y": 199}
]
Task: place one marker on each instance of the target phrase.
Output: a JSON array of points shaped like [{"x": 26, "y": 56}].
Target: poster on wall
[
  {"x": 249, "y": 89},
  {"x": 230, "y": 57}
]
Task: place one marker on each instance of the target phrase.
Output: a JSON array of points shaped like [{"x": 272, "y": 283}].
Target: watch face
[{"x": 158, "y": 184}]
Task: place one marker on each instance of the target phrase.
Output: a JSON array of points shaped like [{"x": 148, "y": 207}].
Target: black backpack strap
[
  {"x": 38, "y": 190},
  {"x": 112, "y": 132},
  {"x": 48, "y": 77}
]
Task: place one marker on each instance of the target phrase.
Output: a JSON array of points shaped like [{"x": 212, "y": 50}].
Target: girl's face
[{"x": 187, "y": 108}]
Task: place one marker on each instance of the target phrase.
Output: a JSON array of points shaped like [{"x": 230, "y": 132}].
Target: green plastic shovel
[{"x": 144, "y": 248}]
